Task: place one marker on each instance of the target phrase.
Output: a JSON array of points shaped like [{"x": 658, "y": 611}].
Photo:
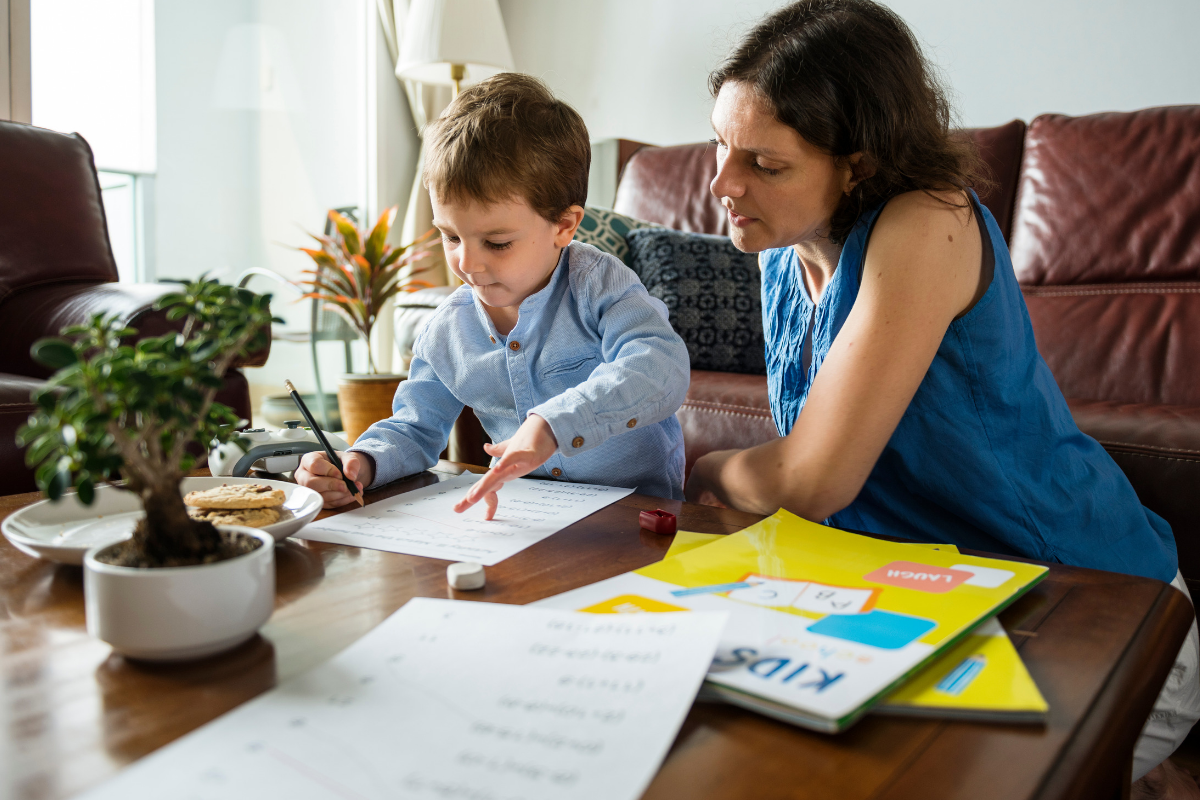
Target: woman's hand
[
  {"x": 527, "y": 450},
  {"x": 319, "y": 474},
  {"x": 704, "y": 482}
]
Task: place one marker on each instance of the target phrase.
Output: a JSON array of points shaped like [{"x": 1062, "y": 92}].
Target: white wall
[
  {"x": 207, "y": 182},
  {"x": 636, "y": 69}
]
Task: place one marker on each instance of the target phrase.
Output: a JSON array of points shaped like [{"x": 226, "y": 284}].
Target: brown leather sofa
[
  {"x": 57, "y": 269},
  {"x": 1102, "y": 214}
]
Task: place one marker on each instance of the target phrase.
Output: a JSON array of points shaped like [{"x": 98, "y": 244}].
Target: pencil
[{"x": 329, "y": 451}]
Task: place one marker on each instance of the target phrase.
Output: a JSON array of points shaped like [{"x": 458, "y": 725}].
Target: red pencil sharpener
[{"x": 658, "y": 521}]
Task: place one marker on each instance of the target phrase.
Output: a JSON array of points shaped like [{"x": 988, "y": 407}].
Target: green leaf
[
  {"x": 54, "y": 352},
  {"x": 174, "y": 298},
  {"x": 87, "y": 490},
  {"x": 46, "y": 399},
  {"x": 348, "y": 232},
  {"x": 58, "y": 484},
  {"x": 375, "y": 247}
]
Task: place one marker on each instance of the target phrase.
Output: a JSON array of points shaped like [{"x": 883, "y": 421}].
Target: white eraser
[{"x": 465, "y": 575}]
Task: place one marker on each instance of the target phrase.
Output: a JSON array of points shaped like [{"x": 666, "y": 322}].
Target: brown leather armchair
[
  {"x": 57, "y": 269},
  {"x": 1102, "y": 214}
]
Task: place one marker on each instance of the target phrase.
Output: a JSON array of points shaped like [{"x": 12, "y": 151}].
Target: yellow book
[
  {"x": 688, "y": 540},
  {"x": 823, "y": 623},
  {"x": 983, "y": 678}
]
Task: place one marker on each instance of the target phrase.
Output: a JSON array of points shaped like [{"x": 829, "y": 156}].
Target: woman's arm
[{"x": 922, "y": 270}]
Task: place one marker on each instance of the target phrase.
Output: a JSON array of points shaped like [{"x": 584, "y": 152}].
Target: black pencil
[{"x": 329, "y": 451}]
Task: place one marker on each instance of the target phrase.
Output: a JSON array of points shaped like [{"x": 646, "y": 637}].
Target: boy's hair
[{"x": 509, "y": 137}]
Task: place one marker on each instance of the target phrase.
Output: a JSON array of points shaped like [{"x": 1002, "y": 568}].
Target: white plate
[{"x": 65, "y": 530}]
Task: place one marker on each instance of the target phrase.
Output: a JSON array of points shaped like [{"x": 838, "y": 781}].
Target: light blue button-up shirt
[{"x": 592, "y": 353}]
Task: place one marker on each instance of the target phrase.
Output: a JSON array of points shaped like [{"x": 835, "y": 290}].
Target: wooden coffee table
[{"x": 1098, "y": 644}]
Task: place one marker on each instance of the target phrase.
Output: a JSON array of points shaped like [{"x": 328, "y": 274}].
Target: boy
[{"x": 571, "y": 367}]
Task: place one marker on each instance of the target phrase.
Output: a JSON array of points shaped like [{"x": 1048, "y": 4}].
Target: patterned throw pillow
[
  {"x": 607, "y": 230},
  {"x": 712, "y": 291}
]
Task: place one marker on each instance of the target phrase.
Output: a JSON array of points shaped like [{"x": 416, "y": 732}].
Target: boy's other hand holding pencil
[
  {"x": 319, "y": 474},
  {"x": 528, "y": 449}
]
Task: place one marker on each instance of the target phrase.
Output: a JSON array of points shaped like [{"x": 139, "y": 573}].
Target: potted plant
[
  {"x": 136, "y": 415},
  {"x": 356, "y": 274}
]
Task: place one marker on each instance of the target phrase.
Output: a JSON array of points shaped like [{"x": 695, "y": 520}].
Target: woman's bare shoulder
[
  {"x": 940, "y": 209},
  {"x": 930, "y": 240}
]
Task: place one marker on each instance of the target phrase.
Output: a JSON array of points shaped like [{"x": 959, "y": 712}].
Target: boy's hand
[
  {"x": 319, "y": 474},
  {"x": 527, "y": 450}
]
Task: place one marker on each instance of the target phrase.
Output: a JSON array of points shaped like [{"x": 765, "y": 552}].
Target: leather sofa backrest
[
  {"x": 1000, "y": 148},
  {"x": 52, "y": 225},
  {"x": 1106, "y": 244},
  {"x": 669, "y": 185}
]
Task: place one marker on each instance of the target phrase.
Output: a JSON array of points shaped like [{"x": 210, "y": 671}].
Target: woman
[{"x": 903, "y": 374}]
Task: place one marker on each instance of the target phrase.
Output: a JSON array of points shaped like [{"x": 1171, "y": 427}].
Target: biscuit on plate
[
  {"x": 237, "y": 496},
  {"x": 250, "y": 517}
]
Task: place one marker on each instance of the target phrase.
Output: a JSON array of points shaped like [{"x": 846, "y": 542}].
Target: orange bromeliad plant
[{"x": 357, "y": 272}]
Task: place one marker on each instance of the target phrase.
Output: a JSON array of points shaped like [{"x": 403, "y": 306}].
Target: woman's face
[{"x": 777, "y": 189}]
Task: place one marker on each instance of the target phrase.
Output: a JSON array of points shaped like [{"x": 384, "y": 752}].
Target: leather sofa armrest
[
  {"x": 1148, "y": 428},
  {"x": 1157, "y": 446},
  {"x": 40, "y": 311}
]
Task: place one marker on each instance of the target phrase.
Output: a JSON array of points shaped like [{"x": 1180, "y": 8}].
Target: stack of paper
[
  {"x": 824, "y": 624},
  {"x": 424, "y": 523},
  {"x": 453, "y": 699}
]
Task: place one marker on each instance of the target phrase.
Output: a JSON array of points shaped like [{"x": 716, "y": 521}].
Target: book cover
[
  {"x": 983, "y": 678},
  {"x": 824, "y": 623}
]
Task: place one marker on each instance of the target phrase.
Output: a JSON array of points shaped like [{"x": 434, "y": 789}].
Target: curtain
[{"x": 426, "y": 103}]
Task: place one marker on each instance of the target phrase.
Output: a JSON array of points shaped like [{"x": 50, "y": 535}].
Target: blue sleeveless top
[{"x": 987, "y": 455}]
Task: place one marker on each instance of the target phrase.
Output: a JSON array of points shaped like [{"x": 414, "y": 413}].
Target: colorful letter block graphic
[
  {"x": 823, "y": 599},
  {"x": 819, "y": 598},
  {"x": 922, "y": 577},
  {"x": 769, "y": 591},
  {"x": 876, "y": 628}
]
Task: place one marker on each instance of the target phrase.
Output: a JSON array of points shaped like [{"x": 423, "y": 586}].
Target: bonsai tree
[
  {"x": 116, "y": 411},
  {"x": 357, "y": 272}
]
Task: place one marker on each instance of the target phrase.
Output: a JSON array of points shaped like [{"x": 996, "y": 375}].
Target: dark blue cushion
[{"x": 712, "y": 291}]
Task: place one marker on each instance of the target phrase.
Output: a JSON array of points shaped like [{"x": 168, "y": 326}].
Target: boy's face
[{"x": 505, "y": 251}]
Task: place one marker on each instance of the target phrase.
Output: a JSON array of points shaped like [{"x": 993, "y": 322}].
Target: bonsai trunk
[
  {"x": 168, "y": 534},
  {"x": 168, "y": 537}
]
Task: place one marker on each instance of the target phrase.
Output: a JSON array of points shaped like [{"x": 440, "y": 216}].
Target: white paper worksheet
[
  {"x": 454, "y": 699},
  {"x": 423, "y": 522}
]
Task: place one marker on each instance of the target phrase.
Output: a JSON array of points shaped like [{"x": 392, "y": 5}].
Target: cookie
[
  {"x": 250, "y": 517},
  {"x": 238, "y": 495}
]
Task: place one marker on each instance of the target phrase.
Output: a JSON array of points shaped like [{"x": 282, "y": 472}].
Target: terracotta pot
[{"x": 363, "y": 400}]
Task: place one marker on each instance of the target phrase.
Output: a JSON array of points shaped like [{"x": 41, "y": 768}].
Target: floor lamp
[{"x": 448, "y": 41}]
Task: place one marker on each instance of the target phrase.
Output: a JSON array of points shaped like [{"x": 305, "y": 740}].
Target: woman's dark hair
[{"x": 849, "y": 77}]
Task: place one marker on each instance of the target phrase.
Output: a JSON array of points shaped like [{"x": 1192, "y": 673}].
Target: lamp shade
[{"x": 439, "y": 33}]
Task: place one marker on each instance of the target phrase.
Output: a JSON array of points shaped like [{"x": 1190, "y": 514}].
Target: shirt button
[
  {"x": 577, "y": 441},
  {"x": 493, "y": 338},
  {"x": 514, "y": 346},
  {"x": 632, "y": 423},
  {"x": 556, "y": 472}
]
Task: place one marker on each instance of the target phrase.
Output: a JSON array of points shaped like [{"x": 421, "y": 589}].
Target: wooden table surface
[{"x": 1098, "y": 644}]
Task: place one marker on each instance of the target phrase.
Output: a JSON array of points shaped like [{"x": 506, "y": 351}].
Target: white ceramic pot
[{"x": 177, "y": 613}]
